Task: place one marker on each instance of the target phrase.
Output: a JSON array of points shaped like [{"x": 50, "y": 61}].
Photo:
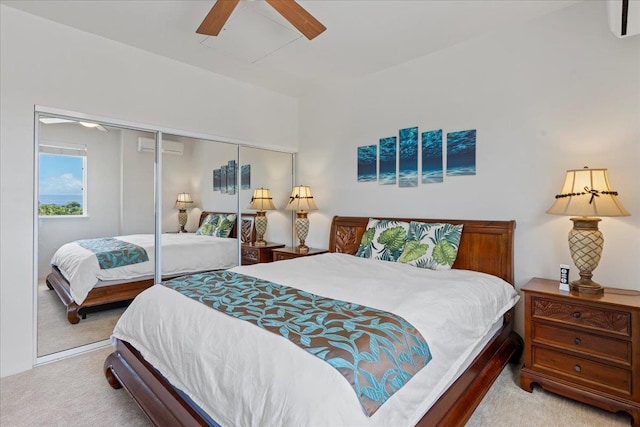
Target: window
[{"x": 62, "y": 180}]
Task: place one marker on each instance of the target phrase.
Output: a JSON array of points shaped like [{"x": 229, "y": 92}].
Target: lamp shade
[
  {"x": 183, "y": 200},
  {"x": 301, "y": 199},
  {"x": 586, "y": 192},
  {"x": 262, "y": 200}
]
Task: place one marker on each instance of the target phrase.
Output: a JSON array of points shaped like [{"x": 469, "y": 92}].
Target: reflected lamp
[
  {"x": 182, "y": 202},
  {"x": 261, "y": 202},
  {"x": 302, "y": 202},
  {"x": 586, "y": 195}
]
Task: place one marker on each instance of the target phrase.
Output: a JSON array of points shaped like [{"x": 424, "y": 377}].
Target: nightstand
[
  {"x": 252, "y": 254},
  {"x": 289, "y": 252},
  {"x": 584, "y": 347}
]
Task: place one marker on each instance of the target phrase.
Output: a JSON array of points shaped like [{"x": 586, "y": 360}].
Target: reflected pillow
[
  {"x": 208, "y": 226},
  {"x": 433, "y": 246},
  {"x": 384, "y": 239},
  {"x": 225, "y": 225}
]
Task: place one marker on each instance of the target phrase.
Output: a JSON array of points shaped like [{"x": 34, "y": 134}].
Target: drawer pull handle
[
  {"x": 577, "y": 368},
  {"x": 577, "y": 341},
  {"x": 576, "y": 315}
]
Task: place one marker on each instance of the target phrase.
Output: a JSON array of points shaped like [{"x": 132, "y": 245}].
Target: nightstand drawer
[
  {"x": 607, "y": 348},
  {"x": 589, "y": 373},
  {"x": 597, "y": 319},
  {"x": 250, "y": 254}
]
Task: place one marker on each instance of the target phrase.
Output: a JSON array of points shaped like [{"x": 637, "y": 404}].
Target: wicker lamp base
[
  {"x": 585, "y": 245},
  {"x": 302, "y": 229}
]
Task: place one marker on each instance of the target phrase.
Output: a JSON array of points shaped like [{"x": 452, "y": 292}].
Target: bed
[
  {"x": 95, "y": 289},
  {"x": 485, "y": 247}
]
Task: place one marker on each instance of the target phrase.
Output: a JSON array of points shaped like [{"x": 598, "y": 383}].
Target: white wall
[
  {"x": 557, "y": 93},
  {"x": 138, "y": 188},
  {"x": 44, "y": 63}
]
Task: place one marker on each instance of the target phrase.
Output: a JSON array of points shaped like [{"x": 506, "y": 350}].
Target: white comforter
[
  {"x": 181, "y": 253},
  {"x": 242, "y": 375}
]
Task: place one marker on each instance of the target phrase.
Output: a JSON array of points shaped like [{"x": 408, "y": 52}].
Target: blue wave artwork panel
[
  {"x": 245, "y": 177},
  {"x": 387, "y": 158},
  {"x": 223, "y": 179},
  {"x": 408, "y": 165},
  {"x": 216, "y": 180},
  {"x": 231, "y": 177},
  {"x": 432, "y": 162},
  {"x": 367, "y": 163},
  {"x": 461, "y": 153}
]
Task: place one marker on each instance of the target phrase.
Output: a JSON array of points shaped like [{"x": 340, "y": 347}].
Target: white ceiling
[{"x": 259, "y": 47}]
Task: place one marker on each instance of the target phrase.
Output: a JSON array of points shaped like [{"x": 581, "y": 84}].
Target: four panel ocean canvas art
[{"x": 394, "y": 160}]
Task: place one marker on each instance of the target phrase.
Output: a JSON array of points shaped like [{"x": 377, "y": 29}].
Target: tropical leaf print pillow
[
  {"x": 208, "y": 226},
  {"x": 225, "y": 225},
  {"x": 383, "y": 240},
  {"x": 433, "y": 246}
]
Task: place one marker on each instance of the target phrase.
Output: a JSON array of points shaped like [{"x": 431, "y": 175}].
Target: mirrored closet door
[
  {"x": 268, "y": 174},
  {"x": 93, "y": 182},
  {"x": 190, "y": 200}
]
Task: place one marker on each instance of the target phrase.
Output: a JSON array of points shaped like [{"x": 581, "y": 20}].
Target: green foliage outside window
[{"x": 71, "y": 208}]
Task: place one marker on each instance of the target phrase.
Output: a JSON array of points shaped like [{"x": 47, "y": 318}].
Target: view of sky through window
[{"x": 61, "y": 179}]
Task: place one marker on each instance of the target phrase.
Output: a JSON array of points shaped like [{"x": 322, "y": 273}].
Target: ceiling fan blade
[
  {"x": 217, "y": 17},
  {"x": 298, "y": 17}
]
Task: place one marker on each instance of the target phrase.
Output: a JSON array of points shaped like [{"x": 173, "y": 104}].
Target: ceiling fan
[{"x": 304, "y": 22}]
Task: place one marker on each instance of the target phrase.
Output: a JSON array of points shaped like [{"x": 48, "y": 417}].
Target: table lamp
[
  {"x": 586, "y": 194},
  {"x": 261, "y": 201},
  {"x": 183, "y": 200},
  {"x": 301, "y": 201}
]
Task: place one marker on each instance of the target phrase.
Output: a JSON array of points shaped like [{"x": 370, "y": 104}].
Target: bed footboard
[{"x": 151, "y": 391}]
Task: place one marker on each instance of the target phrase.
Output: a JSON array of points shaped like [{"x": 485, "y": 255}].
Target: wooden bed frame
[
  {"x": 485, "y": 246},
  {"x": 109, "y": 294}
]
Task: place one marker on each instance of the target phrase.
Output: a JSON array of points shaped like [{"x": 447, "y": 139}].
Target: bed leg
[
  {"x": 49, "y": 285},
  {"x": 517, "y": 355},
  {"x": 72, "y": 313},
  {"x": 108, "y": 372}
]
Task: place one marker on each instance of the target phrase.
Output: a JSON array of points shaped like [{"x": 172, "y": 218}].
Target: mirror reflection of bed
[
  {"x": 110, "y": 159},
  {"x": 120, "y": 202}
]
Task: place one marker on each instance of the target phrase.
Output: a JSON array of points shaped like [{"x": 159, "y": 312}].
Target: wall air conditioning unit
[
  {"x": 148, "y": 145},
  {"x": 624, "y": 17}
]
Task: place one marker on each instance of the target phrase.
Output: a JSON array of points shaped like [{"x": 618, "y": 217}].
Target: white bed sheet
[
  {"x": 242, "y": 375},
  {"x": 181, "y": 253}
]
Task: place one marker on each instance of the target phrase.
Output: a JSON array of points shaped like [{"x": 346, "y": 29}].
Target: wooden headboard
[
  {"x": 247, "y": 234},
  {"x": 485, "y": 246}
]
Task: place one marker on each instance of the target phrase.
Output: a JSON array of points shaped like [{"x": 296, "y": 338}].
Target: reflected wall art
[
  {"x": 461, "y": 153},
  {"x": 245, "y": 177},
  {"x": 224, "y": 179},
  {"x": 432, "y": 156},
  {"x": 388, "y": 155},
  {"x": 216, "y": 180},
  {"x": 367, "y": 163}
]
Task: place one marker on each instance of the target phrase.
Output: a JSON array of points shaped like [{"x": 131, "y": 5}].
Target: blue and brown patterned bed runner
[
  {"x": 112, "y": 253},
  {"x": 376, "y": 351}
]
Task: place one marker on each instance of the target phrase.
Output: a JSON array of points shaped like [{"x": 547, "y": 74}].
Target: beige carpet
[
  {"x": 506, "y": 404},
  {"x": 74, "y": 391},
  {"x": 55, "y": 333}
]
